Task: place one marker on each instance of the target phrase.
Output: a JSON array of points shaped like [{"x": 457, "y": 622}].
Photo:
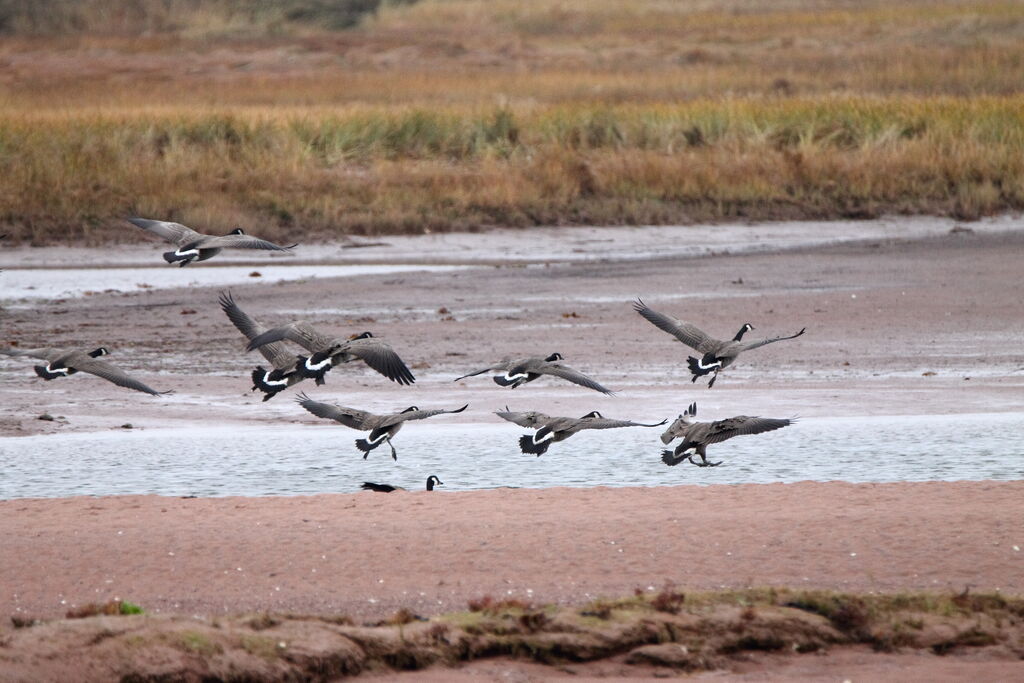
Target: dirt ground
[{"x": 882, "y": 317}]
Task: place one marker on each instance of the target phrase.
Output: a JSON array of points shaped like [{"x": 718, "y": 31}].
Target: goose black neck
[{"x": 739, "y": 335}]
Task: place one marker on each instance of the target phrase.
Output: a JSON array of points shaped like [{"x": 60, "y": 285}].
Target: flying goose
[
  {"x": 381, "y": 427},
  {"x": 696, "y": 436},
  {"x": 519, "y": 371},
  {"x": 326, "y": 352},
  {"x": 388, "y": 488},
  {"x": 64, "y": 362},
  {"x": 717, "y": 354},
  {"x": 195, "y": 246},
  {"x": 551, "y": 429},
  {"x": 284, "y": 374}
]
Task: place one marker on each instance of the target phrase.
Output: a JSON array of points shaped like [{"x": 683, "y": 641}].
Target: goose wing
[
  {"x": 688, "y": 333},
  {"x": 530, "y": 419},
  {"x": 350, "y": 417},
  {"x": 48, "y": 353},
  {"x": 83, "y": 362},
  {"x": 720, "y": 430},
  {"x": 503, "y": 364},
  {"x": 237, "y": 242},
  {"x": 175, "y": 233},
  {"x": 302, "y": 333},
  {"x": 575, "y": 376},
  {"x": 770, "y": 340},
  {"x": 275, "y": 352},
  {"x": 416, "y": 415},
  {"x": 608, "y": 423},
  {"x": 381, "y": 357}
]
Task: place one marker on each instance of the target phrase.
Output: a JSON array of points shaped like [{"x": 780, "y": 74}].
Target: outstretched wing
[
  {"x": 500, "y": 365},
  {"x": 771, "y": 340},
  {"x": 302, "y": 333},
  {"x": 238, "y": 242},
  {"x": 381, "y": 357},
  {"x": 48, "y": 353},
  {"x": 275, "y": 352},
  {"x": 416, "y": 415},
  {"x": 350, "y": 417},
  {"x": 575, "y": 376},
  {"x": 688, "y": 333},
  {"x": 720, "y": 430},
  {"x": 607, "y": 423},
  {"x": 175, "y": 233},
  {"x": 94, "y": 366},
  {"x": 530, "y": 419}
]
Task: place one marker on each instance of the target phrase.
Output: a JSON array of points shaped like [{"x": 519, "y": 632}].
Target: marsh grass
[
  {"x": 363, "y": 170},
  {"x": 461, "y": 114}
]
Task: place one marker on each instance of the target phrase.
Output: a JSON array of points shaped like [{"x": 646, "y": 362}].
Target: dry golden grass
[{"x": 453, "y": 114}]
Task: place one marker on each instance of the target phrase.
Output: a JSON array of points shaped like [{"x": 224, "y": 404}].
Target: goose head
[
  {"x": 364, "y": 335},
  {"x": 553, "y": 357},
  {"x": 747, "y": 327},
  {"x": 237, "y": 231},
  {"x": 101, "y": 351},
  {"x": 410, "y": 409},
  {"x": 433, "y": 481},
  {"x": 592, "y": 413}
]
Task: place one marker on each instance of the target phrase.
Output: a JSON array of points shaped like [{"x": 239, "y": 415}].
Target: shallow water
[
  {"x": 292, "y": 459},
  {"x": 48, "y": 283}
]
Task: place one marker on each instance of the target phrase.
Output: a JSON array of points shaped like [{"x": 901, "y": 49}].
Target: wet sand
[
  {"x": 368, "y": 554},
  {"x": 920, "y": 326}
]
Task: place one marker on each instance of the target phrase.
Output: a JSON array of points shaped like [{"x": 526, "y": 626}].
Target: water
[
  {"x": 48, "y": 283},
  {"x": 306, "y": 459}
]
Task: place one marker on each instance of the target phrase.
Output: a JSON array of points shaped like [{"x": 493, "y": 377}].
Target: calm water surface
[{"x": 294, "y": 459}]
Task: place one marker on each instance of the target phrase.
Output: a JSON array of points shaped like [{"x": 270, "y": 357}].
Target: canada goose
[
  {"x": 553, "y": 429},
  {"x": 284, "y": 374},
  {"x": 522, "y": 370},
  {"x": 717, "y": 354},
  {"x": 195, "y": 246},
  {"x": 64, "y": 362},
  {"x": 326, "y": 352},
  {"x": 388, "y": 488},
  {"x": 381, "y": 427},
  {"x": 697, "y": 436}
]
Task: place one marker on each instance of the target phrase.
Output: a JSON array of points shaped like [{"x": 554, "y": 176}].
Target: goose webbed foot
[
  {"x": 712, "y": 382},
  {"x": 394, "y": 453}
]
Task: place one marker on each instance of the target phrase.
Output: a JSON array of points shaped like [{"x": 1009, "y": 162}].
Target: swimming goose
[
  {"x": 519, "y": 371},
  {"x": 388, "y": 488},
  {"x": 381, "y": 427},
  {"x": 697, "y": 436},
  {"x": 326, "y": 352},
  {"x": 717, "y": 354},
  {"x": 195, "y": 246},
  {"x": 553, "y": 429},
  {"x": 65, "y": 362},
  {"x": 284, "y": 374}
]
